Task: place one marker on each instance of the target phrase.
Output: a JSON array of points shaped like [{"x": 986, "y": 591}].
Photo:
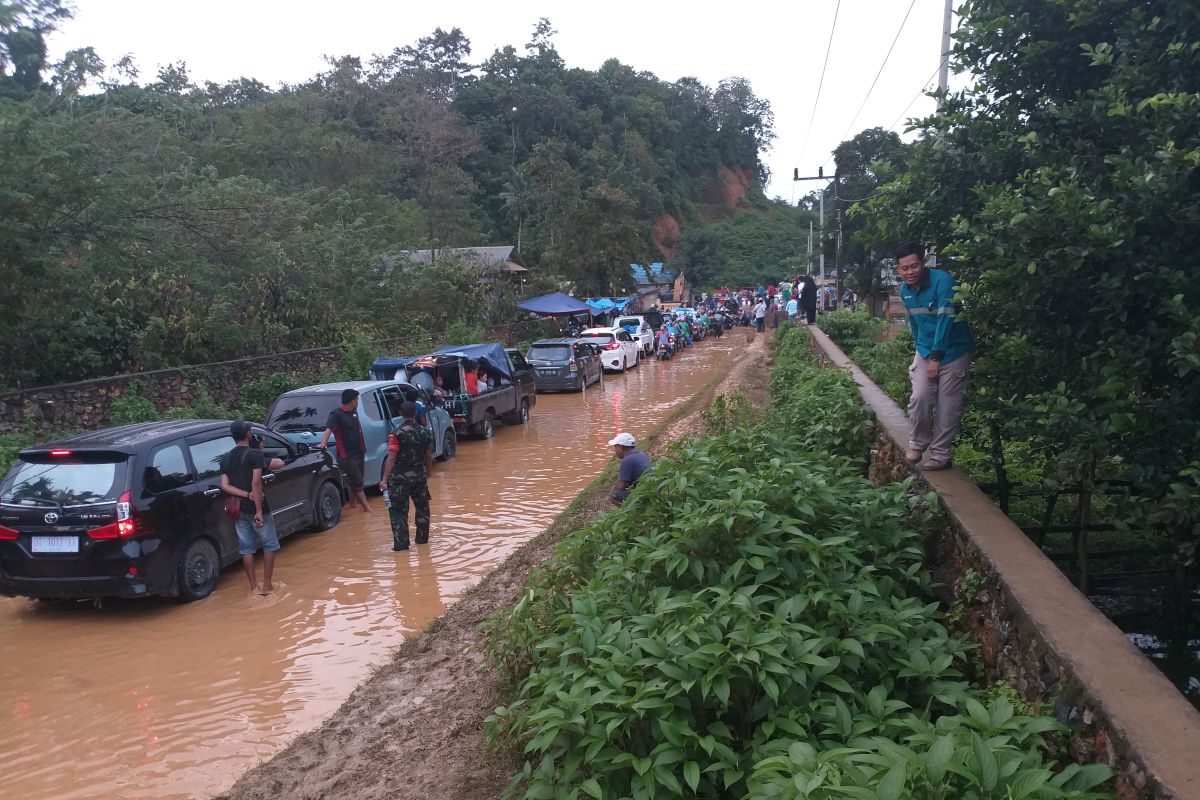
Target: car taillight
[
  {"x": 60, "y": 453},
  {"x": 571, "y": 365},
  {"x": 128, "y": 522},
  {"x": 8, "y": 534},
  {"x": 612, "y": 346}
]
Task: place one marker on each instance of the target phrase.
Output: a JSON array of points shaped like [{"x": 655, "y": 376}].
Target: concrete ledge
[{"x": 1037, "y": 630}]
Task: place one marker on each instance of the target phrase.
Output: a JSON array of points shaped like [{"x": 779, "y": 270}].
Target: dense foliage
[
  {"x": 1063, "y": 189},
  {"x": 146, "y": 223},
  {"x": 755, "y": 622},
  {"x": 755, "y": 247}
]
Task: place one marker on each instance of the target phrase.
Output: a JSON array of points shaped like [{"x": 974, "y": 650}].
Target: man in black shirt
[
  {"x": 351, "y": 446},
  {"x": 241, "y": 476}
]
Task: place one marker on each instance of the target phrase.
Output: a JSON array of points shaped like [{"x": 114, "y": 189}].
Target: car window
[
  {"x": 518, "y": 361},
  {"x": 303, "y": 412},
  {"x": 207, "y": 455},
  {"x": 273, "y": 446},
  {"x": 69, "y": 483},
  {"x": 550, "y": 352},
  {"x": 599, "y": 338},
  {"x": 582, "y": 350},
  {"x": 392, "y": 398},
  {"x": 368, "y": 405},
  {"x": 167, "y": 470},
  {"x": 624, "y": 336}
]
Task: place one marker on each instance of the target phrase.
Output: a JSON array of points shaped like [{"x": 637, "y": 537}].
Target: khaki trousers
[{"x": 935, "y": 407}]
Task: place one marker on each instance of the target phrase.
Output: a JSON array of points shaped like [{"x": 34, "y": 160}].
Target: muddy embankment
[{"x": 415, "y": 729}]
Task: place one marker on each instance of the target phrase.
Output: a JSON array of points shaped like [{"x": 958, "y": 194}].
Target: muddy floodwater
[{"x": 154, "y": 699}]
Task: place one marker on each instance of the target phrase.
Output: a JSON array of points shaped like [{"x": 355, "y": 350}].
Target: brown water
[{"x": 153, "y": 699}]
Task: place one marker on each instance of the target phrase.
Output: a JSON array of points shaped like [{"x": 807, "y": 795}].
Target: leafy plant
[{"x": 132, "y": 406}]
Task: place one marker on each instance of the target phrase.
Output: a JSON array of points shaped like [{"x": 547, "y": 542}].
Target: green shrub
[
  {"x": 357, "y": 353},
  {"x": 462, "y": 332},
  {"x": 258, "y": 394},
  {"x": 851, "y": 329},
  {"x": 755, "y": 621},
  {"x": 132, "y": 407}
]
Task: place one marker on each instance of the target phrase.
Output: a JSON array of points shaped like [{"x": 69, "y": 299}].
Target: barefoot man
[
  {"x": 351, "y": 446},
  {"x": 241, "y": 476}
]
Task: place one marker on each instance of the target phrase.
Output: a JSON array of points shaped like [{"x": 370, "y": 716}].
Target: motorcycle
[{"x": 664, "y": 351}]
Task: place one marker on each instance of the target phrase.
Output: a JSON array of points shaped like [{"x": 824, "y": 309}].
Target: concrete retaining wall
[{"x": 1037, "y": 632}]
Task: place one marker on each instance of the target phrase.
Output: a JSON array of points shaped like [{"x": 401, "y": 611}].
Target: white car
[
  {"x": 641, "y": 332},
  {"x": 618, "y": 350}
]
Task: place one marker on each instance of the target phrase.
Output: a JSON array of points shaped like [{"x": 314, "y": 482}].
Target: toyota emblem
[{"x": 51, "y": 518}]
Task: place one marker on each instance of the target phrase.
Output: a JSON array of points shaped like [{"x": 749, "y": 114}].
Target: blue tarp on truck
[{"x": 384, "y": 368}]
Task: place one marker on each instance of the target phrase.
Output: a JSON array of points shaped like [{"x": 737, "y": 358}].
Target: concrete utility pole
[
  {"x": 810, "y": 252},
  {"x": 944, "y": 56},
  {"x": 820, "y": 176},
  {"x": 837, "y": 245}
]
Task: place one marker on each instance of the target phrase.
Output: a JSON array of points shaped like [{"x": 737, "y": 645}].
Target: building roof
[
  {"x": 493, "y": 258},
  {"x": 654, "y": 275}
]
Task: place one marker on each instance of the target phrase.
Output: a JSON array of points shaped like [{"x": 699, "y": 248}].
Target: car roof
[
  {"x": 613, "y": 329},
  {"x": 338, "y": 388},
  {"x": 557, "y": 340},
  {"x": 130, "y": 438}
]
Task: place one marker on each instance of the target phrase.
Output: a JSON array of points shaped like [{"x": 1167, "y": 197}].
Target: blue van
[{"x": 300, "y": 415}]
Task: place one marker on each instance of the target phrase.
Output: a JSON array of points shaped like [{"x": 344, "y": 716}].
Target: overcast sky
[{"x": 779, "y": 46}]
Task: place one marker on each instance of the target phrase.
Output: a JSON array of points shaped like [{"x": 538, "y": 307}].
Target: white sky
[{"x": 778, "y": 46}]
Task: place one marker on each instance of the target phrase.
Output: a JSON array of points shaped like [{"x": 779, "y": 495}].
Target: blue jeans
[{"x": 251, "y": 538}]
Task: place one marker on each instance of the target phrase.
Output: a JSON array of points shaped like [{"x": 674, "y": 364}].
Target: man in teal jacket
[{"x": 941, "y": 368}]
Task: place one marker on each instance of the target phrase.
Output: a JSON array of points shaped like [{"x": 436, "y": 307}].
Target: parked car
[
  {"x": 639, "y": 328},
  {"x": 511, "y": 393},
  {"x": 300, "y": 415},
  {"x": 138, "y": 510},
  {"x": 619, "y": 351},
  {"x": 565, "y": 364}
]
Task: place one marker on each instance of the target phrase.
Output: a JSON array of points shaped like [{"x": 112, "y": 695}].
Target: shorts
[
  {"x": 353, "y": 467},
  {"x": 251, "y": 538}
]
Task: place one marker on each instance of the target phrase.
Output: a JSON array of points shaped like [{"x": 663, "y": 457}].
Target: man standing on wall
[
  {"x": 351, "y": 446},
  {"x": 941, "y": 367},
  {"x": 406, "y": 476}
]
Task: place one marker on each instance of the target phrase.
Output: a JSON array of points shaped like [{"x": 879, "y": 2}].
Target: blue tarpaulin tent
[
  {"x": 384, "y": 368},
  {"x": 555, "y": 305},
  {"x": 603, "y": 305}
]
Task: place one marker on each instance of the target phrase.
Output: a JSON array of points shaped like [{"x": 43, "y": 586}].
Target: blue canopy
[
  {"x": 555, "y": 305},
  {"x": 603, "y": 305}
]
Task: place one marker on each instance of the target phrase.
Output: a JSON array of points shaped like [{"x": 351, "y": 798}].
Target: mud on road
[{"x": 415, "y": 729}]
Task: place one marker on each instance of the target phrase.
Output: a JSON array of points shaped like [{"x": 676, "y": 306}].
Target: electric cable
[
  {"x": 821, "y": 82},
  {"x": 880, "y": 72},
  {"x": 917, "y": 96}
]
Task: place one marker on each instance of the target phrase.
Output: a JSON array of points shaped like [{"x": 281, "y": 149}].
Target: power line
[
  {"x": 820, "y": 83},
  {"x": 881, "y": 68},
  {"x": 920, "y": 92}
]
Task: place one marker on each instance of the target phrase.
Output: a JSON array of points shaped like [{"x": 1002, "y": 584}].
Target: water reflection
[{"x": 153, "y": 699}]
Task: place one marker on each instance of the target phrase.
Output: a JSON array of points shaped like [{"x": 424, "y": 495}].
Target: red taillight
[
  {"x": 8, "y": 534},
  {"x": 60, "y": 453},
  {"x": 612, "y": 346},
  {"x": 571, "y": 363},
  {"x": 128, "y": 523}
]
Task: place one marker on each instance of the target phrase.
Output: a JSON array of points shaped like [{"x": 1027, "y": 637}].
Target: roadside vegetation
[{"x": 756, "y": 621}]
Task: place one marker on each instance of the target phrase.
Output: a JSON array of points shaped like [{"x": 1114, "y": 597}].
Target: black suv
[{"x": 138, "y": 510}]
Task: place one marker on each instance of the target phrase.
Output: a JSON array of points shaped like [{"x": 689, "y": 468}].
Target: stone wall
[
  {"x": 87, "y": 404},
  {"x": 1036, "y": 632}
]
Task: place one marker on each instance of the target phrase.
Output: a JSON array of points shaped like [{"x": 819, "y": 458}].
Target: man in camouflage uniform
[{"x": 406, "y": 475}]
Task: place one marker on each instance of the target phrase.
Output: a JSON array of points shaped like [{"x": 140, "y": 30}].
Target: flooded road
[{"x": 154, "y": 699}]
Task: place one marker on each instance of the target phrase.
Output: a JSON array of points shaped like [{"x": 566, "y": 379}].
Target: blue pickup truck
[{"x": 300, "y": 415}]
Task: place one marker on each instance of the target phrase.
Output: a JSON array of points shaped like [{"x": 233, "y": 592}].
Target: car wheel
[
  {"x": 624, "y": 362},
  {"x": 523, "y": 413},
  {"x": 327, "y": 508},
  {"x": 487, "y": 428},
  {"x": 197, "y": 571},
  {"x": 581, "y": 383},
  {"x": 449, "y": 445}
]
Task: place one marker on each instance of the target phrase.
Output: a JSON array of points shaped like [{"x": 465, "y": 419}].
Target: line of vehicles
[{"x": 137, "y": 510}]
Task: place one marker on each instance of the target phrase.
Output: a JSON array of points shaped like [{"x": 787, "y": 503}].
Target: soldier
[{"x": 410, "y": 453}]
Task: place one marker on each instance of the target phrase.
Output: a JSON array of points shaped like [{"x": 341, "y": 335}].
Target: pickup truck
[
  {"x": 511, "y": 392},
  {"x": 300, "y": 416}
]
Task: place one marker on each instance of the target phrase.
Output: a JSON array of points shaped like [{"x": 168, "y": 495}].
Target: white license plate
[{"x": 56, "y": 544}]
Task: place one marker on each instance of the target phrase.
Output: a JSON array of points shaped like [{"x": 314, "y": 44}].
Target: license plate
[
  {"x": 547, "y": 372},
  {"x": 56, "y": 544}
]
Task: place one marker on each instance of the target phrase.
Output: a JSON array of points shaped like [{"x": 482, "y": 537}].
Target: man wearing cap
[
  {"x": 241, "y": 476},
  {"x": 634, "y": 464}
]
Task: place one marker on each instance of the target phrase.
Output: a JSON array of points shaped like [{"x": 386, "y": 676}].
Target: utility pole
[
  {"x": 820, "y": 176},
  {"x": 944, "y": 56},
  {"x": 837, "y": 246},
  {"x": 810, "y": 250}
]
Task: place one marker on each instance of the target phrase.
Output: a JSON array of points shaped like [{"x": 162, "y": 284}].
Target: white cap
[{"x": 623, "y": 439}]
